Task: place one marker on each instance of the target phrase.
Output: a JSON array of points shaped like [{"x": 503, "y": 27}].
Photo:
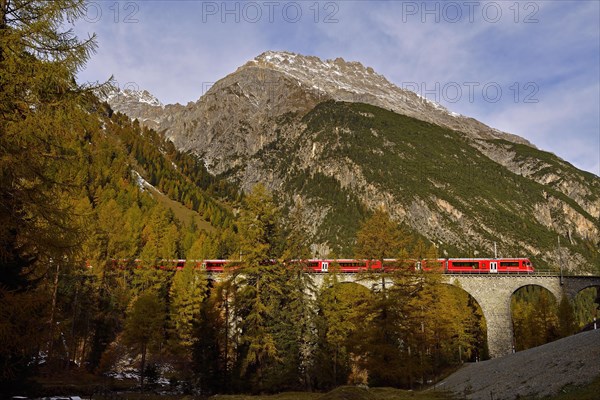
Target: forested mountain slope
[
  {"x": 301, "y": 126},
  {"x": 137, "y": 189}
]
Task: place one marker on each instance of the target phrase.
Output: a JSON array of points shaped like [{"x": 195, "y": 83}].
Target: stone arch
[
  {"x": 319, "y": 279},
  {"x": 526, "y": 296},
  {"x": 459, "y": 287},
  {"x": 497, "y": 316},
  {"x": 493, "y": 293},
  {"x": 575, "y": 284},
  {"x": 587, "y": 314},
  {"x": 557, "y": 296}
]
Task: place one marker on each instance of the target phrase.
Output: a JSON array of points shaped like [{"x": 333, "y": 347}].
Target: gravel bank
[{"x": 541, "y": 371}]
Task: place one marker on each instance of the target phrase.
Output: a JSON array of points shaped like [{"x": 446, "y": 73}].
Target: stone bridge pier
[{"x": 493, "y": 294}]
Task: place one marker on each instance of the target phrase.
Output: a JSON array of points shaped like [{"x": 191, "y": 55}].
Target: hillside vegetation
[{"x": 351, "y": 157}]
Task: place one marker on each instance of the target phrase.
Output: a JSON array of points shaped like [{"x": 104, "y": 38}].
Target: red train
[{"x": 446, "y": 265}]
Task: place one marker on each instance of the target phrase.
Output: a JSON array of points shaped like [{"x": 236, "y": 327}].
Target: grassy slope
[
  {"x": 345, "y": 393},
  {"x": 182, "y": 213}
]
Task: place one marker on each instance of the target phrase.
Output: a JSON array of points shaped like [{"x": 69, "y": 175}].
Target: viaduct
[{"x": 493, "y": 293}]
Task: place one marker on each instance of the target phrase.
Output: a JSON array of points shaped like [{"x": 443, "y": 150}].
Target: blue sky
[{"x": 529, "y": 67}]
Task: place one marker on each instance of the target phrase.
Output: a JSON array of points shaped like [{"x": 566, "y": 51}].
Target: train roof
[{"x": 489, "y": 259}]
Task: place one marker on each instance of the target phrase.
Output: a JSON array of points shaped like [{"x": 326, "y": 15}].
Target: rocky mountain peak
[
  {"x": 351, "y": 81},
  {"x": 137, "y": 104},
  {"x": 132, "y": 96},
  {"x": 351, "y": 75}
]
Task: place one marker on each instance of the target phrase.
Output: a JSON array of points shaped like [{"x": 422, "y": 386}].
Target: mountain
[{"x": 340, "y": 140}]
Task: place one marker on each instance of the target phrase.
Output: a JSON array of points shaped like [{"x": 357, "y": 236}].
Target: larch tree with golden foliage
[
  {"x": 144, "y": 327},
  {"x": 42, "y": 125},
  {"x": 187, "y": 292},
  {"x": 378, "y": 240}
]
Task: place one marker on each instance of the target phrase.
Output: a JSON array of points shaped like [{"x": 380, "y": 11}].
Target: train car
[
  {"x": 488, "y": 265},
  {"x": 519, "y": 265},
  {"x": 352, "y": 266},
  {"x": 346, "y": 265},
  {"x": 214, "y": 265},
  {"x": 432, "y": 265},
  {"x": 464, "y": 265}
]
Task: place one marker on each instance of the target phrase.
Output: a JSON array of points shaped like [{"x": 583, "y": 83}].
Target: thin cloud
[{"x": 178, "y": 48}]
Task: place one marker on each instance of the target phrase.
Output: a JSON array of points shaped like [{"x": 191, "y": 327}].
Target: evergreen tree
[
  {"x": 144, "y": 327},
  {"x": 566, "y": 318},
  {"x": 212, "y": 355},
  {"x": 294, "y": 330},
  {"x": 186, "y": 295},
  {"x": 379, "y": 239},
  {"x": 260, "y": 280}
]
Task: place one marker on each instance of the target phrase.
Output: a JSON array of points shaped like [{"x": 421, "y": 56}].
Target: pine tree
[
  {"x": 212, "y": 354},
  {"x": 295, "y": 329}
]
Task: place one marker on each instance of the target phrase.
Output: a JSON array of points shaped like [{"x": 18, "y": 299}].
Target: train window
[
  {"x": 509, "y": 263},
  {"x": 468, "y": 264},
  {"x": 349, "y": 264}
]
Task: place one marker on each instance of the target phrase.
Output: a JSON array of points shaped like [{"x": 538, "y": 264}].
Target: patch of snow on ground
[{"x": 142, "y": 183}]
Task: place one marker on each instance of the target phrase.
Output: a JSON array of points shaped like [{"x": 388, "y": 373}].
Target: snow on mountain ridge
[
  {"x": 131, "y": 96},
  {"x": 340, "y": 75},
  {"x": 350, "y": 81}
]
